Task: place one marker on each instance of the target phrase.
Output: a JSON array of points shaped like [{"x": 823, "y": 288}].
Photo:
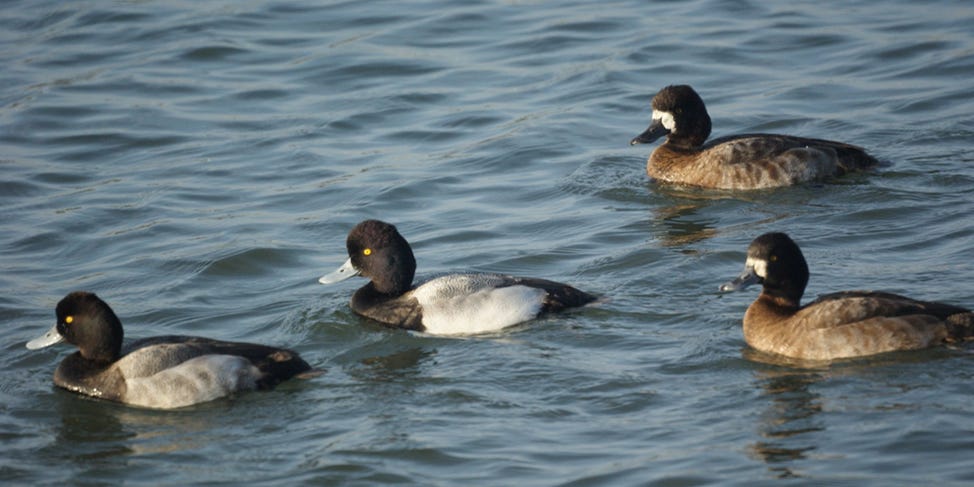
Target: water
[{"x": 198, "y": 164}]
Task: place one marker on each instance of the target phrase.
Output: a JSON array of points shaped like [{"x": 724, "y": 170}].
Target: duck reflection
[
  {"x": 395, "y": 365},
  {"x": 383, "y": 365},
  {"x": 791, "y": 419},
  {"x": 681, "y": 226},
  {"x": 680, "y": 214},
  {"x": 89, "y": 430},
  {"x": 99, "y": 433},
  {"x": 678, "y": 217}
]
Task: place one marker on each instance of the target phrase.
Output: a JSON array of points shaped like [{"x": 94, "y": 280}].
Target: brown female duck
[
  {"x": 838, "y": 325},
  {"x": 748, "y": 161}
]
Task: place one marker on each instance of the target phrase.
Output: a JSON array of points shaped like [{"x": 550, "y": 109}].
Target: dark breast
[
  {"x": 397, "y": 312},
  {"x": 83, "y": 376}
]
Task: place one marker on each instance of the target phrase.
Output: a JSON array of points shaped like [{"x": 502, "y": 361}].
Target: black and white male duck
[
  {"x": 454, "y": 304},
  {"x": 160, "y": 372},
  {"x": 747, "y": 161},
  {"x": 838, "y": 325}
]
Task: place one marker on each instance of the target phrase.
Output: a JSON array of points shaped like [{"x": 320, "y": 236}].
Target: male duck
[
  {"x": 454, "y": 304},
  {"x": 838, "y": 325},
  {"x": 749, "y": 161},
  {"x": 159, "y": 372}
]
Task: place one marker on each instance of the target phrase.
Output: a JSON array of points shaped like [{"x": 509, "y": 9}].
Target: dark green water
[{"x": 198, "y": 165}]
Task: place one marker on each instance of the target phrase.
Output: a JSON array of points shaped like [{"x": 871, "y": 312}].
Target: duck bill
[
  {"x": 344, "y": 272},
  {"x": 655, "y": 131},
  {"x": 744, "y": 280},
  {"x": 46, "y": 340}
]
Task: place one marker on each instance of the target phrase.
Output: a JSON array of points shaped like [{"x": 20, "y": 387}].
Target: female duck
[
  {"x": 159, "y": 372},
  {"x": 750, "y": 161},
  {"x": 449, "y": 305},
  {"x": 837, "y": 325}
]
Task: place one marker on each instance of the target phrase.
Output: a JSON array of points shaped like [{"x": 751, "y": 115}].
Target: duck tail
[
  {"x": 853, "y": 158},
  {"x": 560, "y": 298},
  {"x": 960, "y": 326},
  {"x": 279, "y": 366}
]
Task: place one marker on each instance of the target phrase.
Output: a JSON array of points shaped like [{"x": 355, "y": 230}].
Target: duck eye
[
  {"x": 773, "y": 258},
  {"x": 69, "y": 319},
  {"x": 367, "y": 252}
]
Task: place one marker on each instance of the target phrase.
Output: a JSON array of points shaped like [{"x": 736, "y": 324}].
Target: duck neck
[
  {"x": 396, "y": 275},
  {"x": 691, "y": 132},
  {"x": 786, "y": 291},
  {"x": 369, "y": 295},
  {"x": 104, "y": 354},
  {"x": 779, "y": 302},
  {"x": 685, "y": 143}
]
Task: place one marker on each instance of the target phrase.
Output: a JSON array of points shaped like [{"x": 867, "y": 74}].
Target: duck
[
  {"x": 452, "y": 304},
  {"x": 162, "y": 372},
  {"x": 736, "y": 162},
  {"x": 839, "y": 325}
]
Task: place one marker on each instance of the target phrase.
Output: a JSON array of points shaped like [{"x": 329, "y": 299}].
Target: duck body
[
  {"x": 160, "y": 372},
  {"x": 467, "y": 303},
  {"x": 755, "y": 161},
  {"x": 851, "y": 324},
  {"x": 737, "y": 162},
  {"x": 838, "y": 325},
  {"x": 454, "y": 304}
]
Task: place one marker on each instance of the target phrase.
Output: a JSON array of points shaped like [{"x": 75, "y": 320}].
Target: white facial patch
[
  {"x": 665, "y": 119},
  {"x": 759, "y": 266}
]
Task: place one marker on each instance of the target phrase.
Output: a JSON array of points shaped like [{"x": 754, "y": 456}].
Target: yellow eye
[
  {"x": 367, "y": 252},
  {"x": 774, "y": 258},
  {"x": 69, "y": 319}
]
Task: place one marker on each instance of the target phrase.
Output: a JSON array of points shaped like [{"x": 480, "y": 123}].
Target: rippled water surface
[{"x": 199, "y": 164}]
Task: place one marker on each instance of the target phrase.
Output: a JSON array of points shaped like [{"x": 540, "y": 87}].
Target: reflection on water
[
  {"x": 679, "y": 226},
  {"x": 782, "y": 361},
  {"x": 679, "y": 220},
  {"x": 788, "y": 423},
  {"x": 89, "y": 430},
  {"x": 200, "y": 162},
  {"x": 398, "y": 364},
  {"x": 92, "y": 429},
  {"x": 689, "y": 215}
]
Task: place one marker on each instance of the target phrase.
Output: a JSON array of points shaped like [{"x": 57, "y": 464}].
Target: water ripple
[{"x": 199, "y": 165}]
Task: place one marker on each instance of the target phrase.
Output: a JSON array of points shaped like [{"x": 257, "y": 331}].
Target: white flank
[
  {"x": 194, "y": 381},
  {"x": 469, "y": 304}
]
